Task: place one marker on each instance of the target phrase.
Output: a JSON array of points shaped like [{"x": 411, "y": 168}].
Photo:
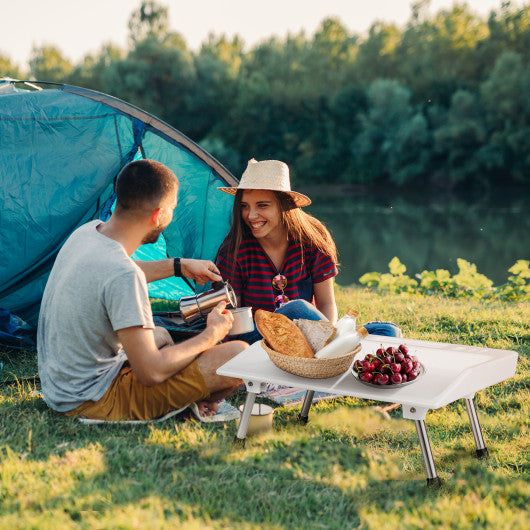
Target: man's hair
[{"x": 143, "y": 184}]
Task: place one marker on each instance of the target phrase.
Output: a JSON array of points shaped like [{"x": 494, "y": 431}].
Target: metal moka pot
[{"x": 195, "y": 307}]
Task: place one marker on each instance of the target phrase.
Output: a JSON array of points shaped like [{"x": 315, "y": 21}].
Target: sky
[{"x": 80, "y": 27}]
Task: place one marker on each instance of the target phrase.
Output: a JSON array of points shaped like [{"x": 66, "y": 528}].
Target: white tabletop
[{"x": 452, "y": 372}]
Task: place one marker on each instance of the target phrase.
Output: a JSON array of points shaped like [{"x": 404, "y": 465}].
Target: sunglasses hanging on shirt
[{"x": 279, "y": 283}]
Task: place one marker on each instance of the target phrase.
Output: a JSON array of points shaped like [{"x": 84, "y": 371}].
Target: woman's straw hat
[{"x": 268, "y": 175}]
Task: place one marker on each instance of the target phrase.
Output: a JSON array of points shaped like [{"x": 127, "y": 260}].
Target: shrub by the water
[{"x": 468, "y": 282}]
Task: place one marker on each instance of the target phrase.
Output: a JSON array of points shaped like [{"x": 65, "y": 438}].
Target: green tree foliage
[
  {"x": 217, "y": 67},
  {"x": 459, "y": 139},
  {"x": 47, "y": 63},
  {"x": 393, "y": 135},
  {"x": 506, "y": 103},
  {"x": 436, "y": 56},
  {"x": 443, "y": 100},
  {"x": 8, "y": 68},
  {"x": 95, "y": 71},
  {"x": 149, "y": 21}
]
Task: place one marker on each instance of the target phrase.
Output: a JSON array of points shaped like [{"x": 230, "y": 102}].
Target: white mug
[{"x": 243, "y": 322}]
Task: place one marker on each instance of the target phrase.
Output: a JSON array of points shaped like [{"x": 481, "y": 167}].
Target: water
[{"x": 426, "y": 231}]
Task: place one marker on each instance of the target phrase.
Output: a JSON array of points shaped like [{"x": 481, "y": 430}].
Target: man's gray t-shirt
[{"x": 94, "y": 290}]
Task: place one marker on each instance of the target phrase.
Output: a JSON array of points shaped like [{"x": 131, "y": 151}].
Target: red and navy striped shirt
[{"x": 252, "y": 275}]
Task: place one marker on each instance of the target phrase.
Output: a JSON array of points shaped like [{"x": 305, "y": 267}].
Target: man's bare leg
[{"x": 218, "y": 385}]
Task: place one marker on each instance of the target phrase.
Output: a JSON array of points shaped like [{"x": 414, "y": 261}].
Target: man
[{"x": 100, "y": 355}]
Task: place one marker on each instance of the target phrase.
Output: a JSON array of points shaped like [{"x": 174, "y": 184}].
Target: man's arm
[
  {"x": 152, "y": 365},
  {"x": 200, "y": 270}
]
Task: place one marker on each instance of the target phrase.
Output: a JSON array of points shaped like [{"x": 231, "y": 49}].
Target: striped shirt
[{"x": 252, "y": 275}]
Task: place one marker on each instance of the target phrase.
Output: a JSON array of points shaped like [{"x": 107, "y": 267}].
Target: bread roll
[
  {"x": 317, "y": 332},
  {"x": 282, "y": 334}
]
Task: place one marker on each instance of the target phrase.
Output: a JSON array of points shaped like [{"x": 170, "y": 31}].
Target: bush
[{"x": 468, "y": 282}]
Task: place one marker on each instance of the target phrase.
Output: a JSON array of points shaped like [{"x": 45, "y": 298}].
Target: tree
[
  {"x": 159, "y": 77},
  {"x": 150, "y": 20},
  {"x": 47, "y": 63},
  {"x": 9, "y": 69},
  {"x": 93, "y": 71},
  {"x": 437, "y": 56},
  {"x": 459, "y": 140},
  {"x": 376, "y": 57},
  {"x": 506, "y": 104},
  {"x": 393, "y": 136},
  {"x": 217, "y": 67}
]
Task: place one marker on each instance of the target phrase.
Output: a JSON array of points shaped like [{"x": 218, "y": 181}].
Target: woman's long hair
[{"x": 302, "y": 228}]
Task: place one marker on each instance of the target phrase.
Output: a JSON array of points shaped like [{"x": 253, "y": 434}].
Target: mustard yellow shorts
[{"x": 128, "y": 399}]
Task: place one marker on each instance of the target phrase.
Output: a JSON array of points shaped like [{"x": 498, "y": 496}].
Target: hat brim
[{"x": 300, "y": 199}]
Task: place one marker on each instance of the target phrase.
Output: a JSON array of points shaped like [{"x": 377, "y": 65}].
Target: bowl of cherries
[{"x": 388, "y": 367}]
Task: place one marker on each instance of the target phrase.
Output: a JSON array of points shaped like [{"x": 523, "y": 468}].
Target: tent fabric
[{"x": 61, "y": 149}]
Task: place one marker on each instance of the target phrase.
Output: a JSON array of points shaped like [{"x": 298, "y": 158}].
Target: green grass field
[{"x": 351, "y": 466}]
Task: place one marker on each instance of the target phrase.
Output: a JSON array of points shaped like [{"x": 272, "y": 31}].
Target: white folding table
[{"x": 452, "y": 372}]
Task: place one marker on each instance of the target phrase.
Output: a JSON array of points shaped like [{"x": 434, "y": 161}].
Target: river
[{"x": 426, "y": 231}]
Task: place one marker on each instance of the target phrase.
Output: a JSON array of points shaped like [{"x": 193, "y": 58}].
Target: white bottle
[
  {"x": 342, "y": 344},
  {"x": 347, "y": 323}
]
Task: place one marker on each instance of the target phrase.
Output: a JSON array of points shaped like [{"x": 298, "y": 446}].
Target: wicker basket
[{"x": 313, "y": 368}]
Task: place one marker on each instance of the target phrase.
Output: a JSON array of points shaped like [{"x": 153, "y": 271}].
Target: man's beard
[{"x": 152, "y": 237}]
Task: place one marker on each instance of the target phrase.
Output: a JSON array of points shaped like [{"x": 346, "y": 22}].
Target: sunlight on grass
[{"x": 351, "y": 466}]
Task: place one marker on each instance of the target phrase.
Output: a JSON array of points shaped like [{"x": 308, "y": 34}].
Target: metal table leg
[
  {"x": 482, "y": 451},
  {"x": 239, "y": 438},
  {"x": 432, "y": 477},
  {"x": 303, "y": 417}
]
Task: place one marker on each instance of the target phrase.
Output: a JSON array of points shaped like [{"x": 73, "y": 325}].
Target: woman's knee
[
  {"x": 300, "y": 309},
  {"x": 162, "y": 337},
  {"x": 385, "y": 329}
]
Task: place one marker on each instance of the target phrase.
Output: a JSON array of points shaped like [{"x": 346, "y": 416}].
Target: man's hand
[
  {"x": 219, "y": 322},
  {"x": 200, "y": 270}
]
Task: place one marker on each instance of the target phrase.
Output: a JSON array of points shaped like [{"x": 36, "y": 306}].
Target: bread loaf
[
  {"x": 317, "y": 332},
  {"x": 282, "y": 334}
]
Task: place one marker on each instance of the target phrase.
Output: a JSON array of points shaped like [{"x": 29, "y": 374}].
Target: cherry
[
  {"x": 368, "y": 366},
  {"x": 358, "y": 365},
  {"x": 396, "y": 379},
  {"x": 382, "y": 379},
  {"x": 385, "y": 369},
  {"x": 366, "y": 377},
  {"x": 406, "y": 366},
  {"x": 399, "y": 357},
  {"x": 395, "y": 367},
  {"x": 390, "y": 366}
]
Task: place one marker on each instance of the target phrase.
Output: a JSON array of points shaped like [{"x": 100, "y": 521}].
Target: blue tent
[{"x": 61, "y": 149}]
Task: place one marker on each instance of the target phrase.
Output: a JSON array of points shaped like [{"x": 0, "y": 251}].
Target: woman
[{"x": 276, "y": 256}]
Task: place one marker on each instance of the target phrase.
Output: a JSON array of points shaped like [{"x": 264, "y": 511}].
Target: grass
[{"x": 349, "y": 467}]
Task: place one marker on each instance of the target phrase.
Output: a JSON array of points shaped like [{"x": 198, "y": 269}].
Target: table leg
[
  {"x": 303, "y": 417},
  {"x": 482, "y": 451},
  {"x": 432, "y": 477},
  {"x": 245, "y": 418}
]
